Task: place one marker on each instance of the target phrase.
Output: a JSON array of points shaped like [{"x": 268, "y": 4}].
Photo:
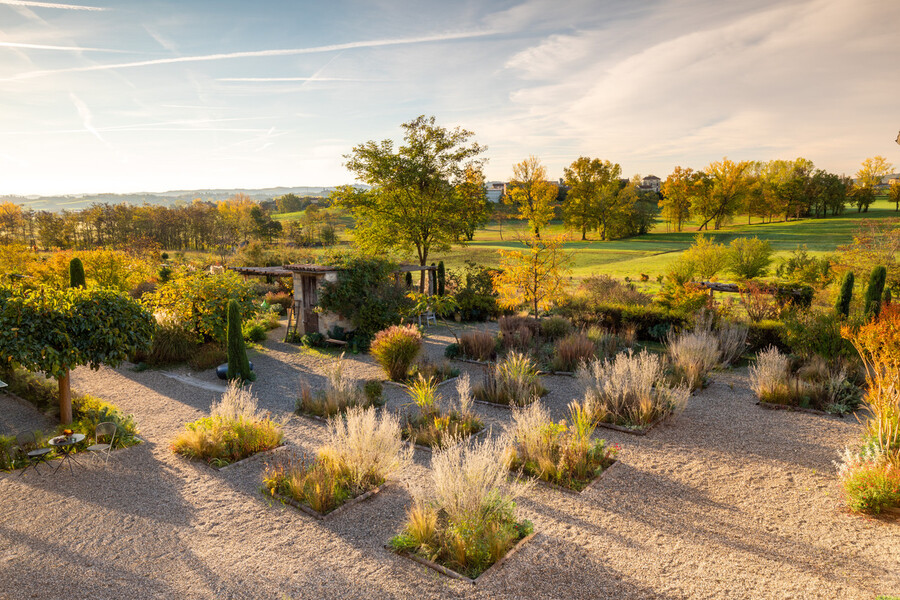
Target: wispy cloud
[
  {"x": 87, "y": 118},
  {"x": 259, "y": 53},
  {"x": 49, "y": 5},
  {"x": 313, "y": 78}
]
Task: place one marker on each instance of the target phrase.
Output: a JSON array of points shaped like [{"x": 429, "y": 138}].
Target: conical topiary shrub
[
  {"x": 76, "y": 273},
  {"x": 238, "y": 365},
  {"x": 842, "y": 305},
  {"x": 873, "y": 292}
]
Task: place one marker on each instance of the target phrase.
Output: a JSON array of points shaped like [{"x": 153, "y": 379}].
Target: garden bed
[
  {"x": 332, "y": 514},
  {"x": 471, "y": 437},
  {"x": 453, "y": 574},
  {"x": 562, "y": 488}
]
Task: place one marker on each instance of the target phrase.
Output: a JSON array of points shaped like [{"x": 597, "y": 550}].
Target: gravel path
[{"x": 725, "y": 501}]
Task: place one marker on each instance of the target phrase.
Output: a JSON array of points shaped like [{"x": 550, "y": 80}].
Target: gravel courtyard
[{"x": 727, "y": 500}]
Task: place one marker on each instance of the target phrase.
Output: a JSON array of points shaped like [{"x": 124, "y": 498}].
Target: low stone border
[
  {"x": 340, "y": 509},
  {"x": 256, "y": 455},
  {"x": 571, "y": 491},
  {"x": 792, "y": 408},
  {"x": 453, "y": 574},
  {"x": 474, "y": 436},
  {"x": 642, "y": 431}
]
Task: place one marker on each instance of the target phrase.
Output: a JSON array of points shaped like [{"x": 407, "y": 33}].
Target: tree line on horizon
[{"x": 430, "y": 193}]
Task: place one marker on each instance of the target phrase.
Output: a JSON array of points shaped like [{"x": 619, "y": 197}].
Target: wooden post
[{"x": 65, "y": 399}]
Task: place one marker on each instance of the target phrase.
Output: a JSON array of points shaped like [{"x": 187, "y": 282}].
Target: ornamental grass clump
[
  {"x": 559, "y": 453},
  {"x": 630, "y": 390},
  {"x": 694, "y": 355},
  {"x": 235, "y": 429},
  {"x": 770, "y": 376},
  {"x": 571, "y": 351},
  {"x": 436, "y": 422},
  {"x": 732, "y": 339},
  {"x": 339, "y": 395},
  {"x": 364, "y": 450},
  {"x": 469, "y": 522},
  {"x": 396, "y": 349},
  {"x": 478, "y": 345},
  {"x": 514, "y": 381}
]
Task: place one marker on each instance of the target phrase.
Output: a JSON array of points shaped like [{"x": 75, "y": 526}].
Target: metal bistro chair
[
  {"x": 104, "y": 430},
  {"x": 35, "y": 455}
]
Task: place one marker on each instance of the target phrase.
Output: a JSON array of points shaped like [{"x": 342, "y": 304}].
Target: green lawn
[{"x": 649, "y": 254}]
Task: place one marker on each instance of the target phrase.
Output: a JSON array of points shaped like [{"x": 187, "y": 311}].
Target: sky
[{"x": 155, "y": 95}]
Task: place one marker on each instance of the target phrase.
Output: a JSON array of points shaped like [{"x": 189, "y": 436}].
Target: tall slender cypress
[
  {"x": 886, "y": 297},
  {"x": 238, "y": 365},
  {"x": 442, "y": 278},
  {"x": 842, "y": 306},
  {"x": 76, "y": 273},
  {"x": 874, "y": 290}
]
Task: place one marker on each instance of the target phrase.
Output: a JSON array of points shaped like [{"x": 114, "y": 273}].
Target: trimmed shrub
[
  {"x": 76, "y": 273},
  {"x": 396, "y": 348},
  {"x": 238, "y": 365},
  {"x": 845, "y": 296},
  {"x": 874, "y": 291}
]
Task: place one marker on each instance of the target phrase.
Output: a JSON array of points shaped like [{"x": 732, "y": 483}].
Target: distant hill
[{"x": 78, "y": 201}]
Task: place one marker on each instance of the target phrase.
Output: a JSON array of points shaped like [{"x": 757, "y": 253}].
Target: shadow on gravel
[{"x": 674, "y": 508}]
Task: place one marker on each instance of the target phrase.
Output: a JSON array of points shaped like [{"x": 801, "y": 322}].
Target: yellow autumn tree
[
  {"x": 531, "y": 193},
  {"x": 536, "y": 277}
]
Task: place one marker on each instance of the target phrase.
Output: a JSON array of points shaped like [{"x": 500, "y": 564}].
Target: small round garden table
[{"x": 65, "y": 445}]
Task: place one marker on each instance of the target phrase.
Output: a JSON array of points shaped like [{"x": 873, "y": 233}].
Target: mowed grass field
[{"x": 652, "y": 253}]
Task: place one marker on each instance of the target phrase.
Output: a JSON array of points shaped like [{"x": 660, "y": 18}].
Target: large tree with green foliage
[
  {"x": 721, "y": 188},
  {"x": 53, "y": 331},
  {"x": 593, "y": 186},
  {"x": 414, "y": 203}
]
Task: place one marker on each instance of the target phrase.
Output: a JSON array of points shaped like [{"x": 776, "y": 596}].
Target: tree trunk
[
  {"x": 65, "y": 399},
  {"x": 583, "y": 234}
]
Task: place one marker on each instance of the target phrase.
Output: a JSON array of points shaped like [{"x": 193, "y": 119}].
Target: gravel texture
[{"x": 727, "y": 500}]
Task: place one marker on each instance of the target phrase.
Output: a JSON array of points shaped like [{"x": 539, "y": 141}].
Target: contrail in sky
[
  {"x": 32, "y": 4},
  {"x": 256, "y": 53}
]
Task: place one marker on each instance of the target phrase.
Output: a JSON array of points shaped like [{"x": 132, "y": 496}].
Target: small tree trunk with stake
[{"x": 65, "y": 399}]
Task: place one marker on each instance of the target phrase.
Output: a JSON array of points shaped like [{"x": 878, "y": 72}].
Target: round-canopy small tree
[{"x": 54, "y": 331}]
